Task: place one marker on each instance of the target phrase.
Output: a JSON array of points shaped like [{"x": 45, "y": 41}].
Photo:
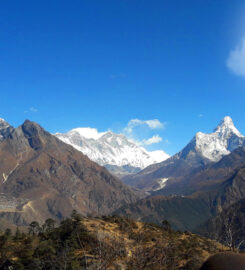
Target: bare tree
[{"x": 230, "y": 234}]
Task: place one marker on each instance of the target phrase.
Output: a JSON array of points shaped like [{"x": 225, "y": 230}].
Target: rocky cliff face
[{"x": 48, "y": 178}]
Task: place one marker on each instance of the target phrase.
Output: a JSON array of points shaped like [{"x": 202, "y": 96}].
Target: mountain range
[
  {"x": 41, "y": 177},
  {"x": 208, "y": 192},
  {"x": 201, "y": 151},
  {"x": 114, "y": 151},
  {"x": 197, "y": 186}
]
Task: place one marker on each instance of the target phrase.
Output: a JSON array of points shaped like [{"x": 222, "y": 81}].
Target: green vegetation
[{"x": 103, "y": 243}]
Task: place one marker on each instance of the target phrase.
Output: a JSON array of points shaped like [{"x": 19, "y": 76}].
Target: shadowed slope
[{"x": 213, "y": 190}]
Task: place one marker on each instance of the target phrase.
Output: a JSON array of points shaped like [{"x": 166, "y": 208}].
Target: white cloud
[
  {"x": 152, "y": 124},
  {"x": 152, "y": 140},
  {"x": 133, "y": 131},
  {"x": 87, "y": 132},
  {"x": 236, "y": 59},
  {"x": 31, "y": 110}
]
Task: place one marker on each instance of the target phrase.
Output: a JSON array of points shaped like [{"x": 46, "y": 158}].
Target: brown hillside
[{"x": 45, "y": 177}]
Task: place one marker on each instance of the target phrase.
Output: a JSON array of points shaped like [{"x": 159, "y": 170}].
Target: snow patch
[
  {"x": 6, "y": 176},
  {"x": 162, "y": 183}
]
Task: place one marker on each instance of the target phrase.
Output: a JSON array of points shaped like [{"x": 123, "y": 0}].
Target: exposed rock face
[{"x": 49, "y": 178}]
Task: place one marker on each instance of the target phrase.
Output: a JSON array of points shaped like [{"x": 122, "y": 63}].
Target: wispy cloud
[
  {"x": 154, "y": 139},
  {"x": 200, "y": 115},
  {"x": 140, "y": 131},
  {"x": 236, "y": 59},
  {"x": 31, "y": 110},
  {"x": 152, "y": 124}
]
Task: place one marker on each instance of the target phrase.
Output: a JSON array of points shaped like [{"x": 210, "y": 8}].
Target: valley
[{"x": 122, "y": 135}]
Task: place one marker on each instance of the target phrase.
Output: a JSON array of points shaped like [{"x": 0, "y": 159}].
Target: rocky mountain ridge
[
  {"x": 194, "y": 200},
  {"x": 114, "y": 151},
  {"x": 48, "y": 178}
]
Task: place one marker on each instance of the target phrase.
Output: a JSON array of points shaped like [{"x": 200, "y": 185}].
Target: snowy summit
[
  {"x": 224, "y": 139},
  {"x": 108, "y": 148}
]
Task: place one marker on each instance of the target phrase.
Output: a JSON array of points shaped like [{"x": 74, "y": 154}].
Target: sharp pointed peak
[
  {"x": 31, "y": 127},
  {"x": 227, "y": 120},
  {"x": 226, "y": 125},
  {"x": 28, "y": 122}
]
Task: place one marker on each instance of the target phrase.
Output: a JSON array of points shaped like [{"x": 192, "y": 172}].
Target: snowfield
[{"x": 108, "y": 148}]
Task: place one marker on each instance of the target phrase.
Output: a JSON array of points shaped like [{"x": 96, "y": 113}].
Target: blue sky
[{"x": 100, "y": 64}]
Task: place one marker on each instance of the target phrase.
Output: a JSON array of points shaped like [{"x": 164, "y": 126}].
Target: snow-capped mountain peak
[
  {"x": 5, "y": 129},
  {"x": 226, "y": 127},
  {"x": 221, "y": 142},
  {"x": 108, "y": 148}
]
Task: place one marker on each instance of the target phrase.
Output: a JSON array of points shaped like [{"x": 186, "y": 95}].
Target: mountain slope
[
  {"x": 111, "y": 243},
  {"x": 205, "y": 179},
  {"x": 228, "y": 226},
  {"x": 209, "y": 192},
  {"x": 203, "y": 150},
  {"x": 111, "y": 150},
  {"x": 45, "y": 177},
  {"x": 183, "y": 213}
]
